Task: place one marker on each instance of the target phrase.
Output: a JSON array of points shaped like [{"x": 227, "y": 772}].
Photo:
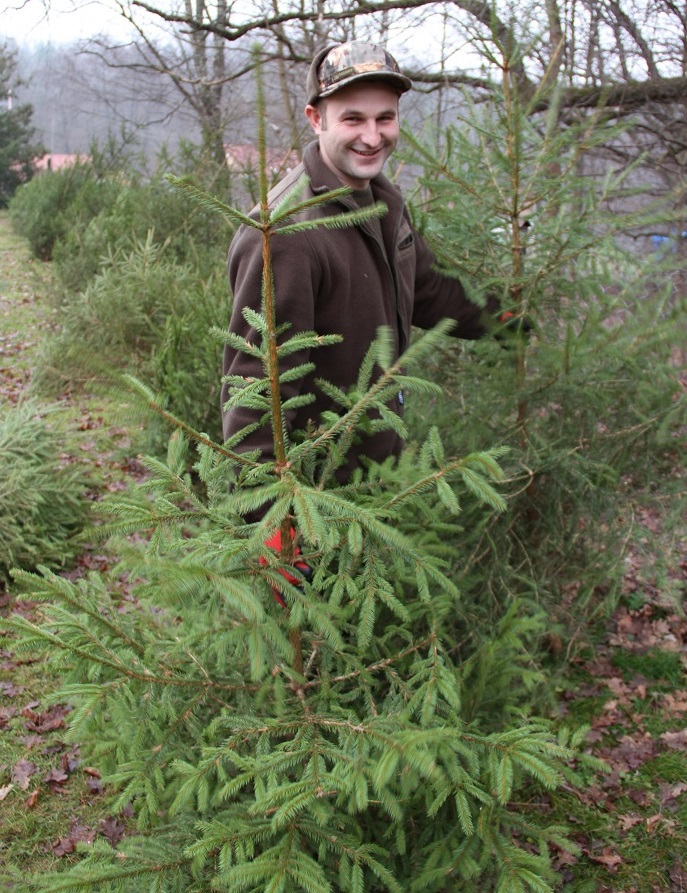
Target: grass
[
  {"x": 664, "y": 668},
  {"x": 631, "y": 820},
  {"x": 23, "y": 311},
  {"x": 34, "y": 818}
]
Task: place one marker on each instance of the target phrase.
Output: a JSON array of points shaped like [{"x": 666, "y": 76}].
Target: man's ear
[{"x": 312, "y": 113}]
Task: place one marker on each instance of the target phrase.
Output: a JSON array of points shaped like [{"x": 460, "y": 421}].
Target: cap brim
[{"x": 399, "y": 81}]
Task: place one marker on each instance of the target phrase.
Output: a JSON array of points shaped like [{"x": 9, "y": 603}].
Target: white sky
[
  {"x": 54, "y": 21},
  {"x": 57, "y": 21}
]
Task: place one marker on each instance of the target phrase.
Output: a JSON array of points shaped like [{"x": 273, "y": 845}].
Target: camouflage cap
[{"x": 337, "y": 66}]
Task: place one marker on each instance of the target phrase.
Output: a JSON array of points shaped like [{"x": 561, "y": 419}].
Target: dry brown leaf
[
  {"x": 112, "y": 828},
  {"x": 22, "y": 772},
  {"x": 670, "y": 792},
  {"x": 675, "y": 702},
  {"x": 678, "y": 876},
  {"x": 55, "y": 778},
  {"x": 660, "y": 822},
  {"x": 675, "y": 740},
  {"x": 48, "y": 721},
  {"x": 608, "y": 858},
  {"x": 632, "y": 751},
  {"x": 77, "y": 834},
  {"x": 625, "y": 822},
  {"x": 619, "y": 689}
]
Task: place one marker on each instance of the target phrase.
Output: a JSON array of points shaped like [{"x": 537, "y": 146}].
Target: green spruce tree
[{"x": 521, "y": 200}]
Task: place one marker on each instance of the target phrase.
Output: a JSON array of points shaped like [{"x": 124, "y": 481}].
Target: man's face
[{"x": 358, "y": 127}]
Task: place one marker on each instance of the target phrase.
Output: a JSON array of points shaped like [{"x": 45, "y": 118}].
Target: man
[{"x": 352, "y": 280}]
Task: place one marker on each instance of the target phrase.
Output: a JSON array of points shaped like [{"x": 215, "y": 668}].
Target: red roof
[
  {"x": 247, "y": 158},
  {"x": 53, "y": 161}
]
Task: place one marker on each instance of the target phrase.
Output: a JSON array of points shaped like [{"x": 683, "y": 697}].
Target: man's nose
[{"x": 370, "y": 133}]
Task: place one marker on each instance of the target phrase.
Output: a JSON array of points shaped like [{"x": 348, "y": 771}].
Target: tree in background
[
  {"x": 526, "y": 201},
  {"x": 193, "y": 60},
  {"x": 188, "y": 67},
  {"x": 19, "y": 148}
]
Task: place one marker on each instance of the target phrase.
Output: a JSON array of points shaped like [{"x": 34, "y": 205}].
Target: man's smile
[{"x": 368, "y": 152}]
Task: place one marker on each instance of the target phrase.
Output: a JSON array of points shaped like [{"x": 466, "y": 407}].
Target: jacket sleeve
[
  {"x": 440, "y": 297},
  {"x": 295, "y": 282}
]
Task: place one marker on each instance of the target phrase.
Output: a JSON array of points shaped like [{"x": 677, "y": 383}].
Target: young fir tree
[
  {"x": 42, "y": 501},
  {"x": 526, "y": 204},
  {"x": 319, "y": 746}
]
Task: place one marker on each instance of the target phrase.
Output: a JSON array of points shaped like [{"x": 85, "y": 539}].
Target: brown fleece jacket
[{"x": 345, "y": 282}]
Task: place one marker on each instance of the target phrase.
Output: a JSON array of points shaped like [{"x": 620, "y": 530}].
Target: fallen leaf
[
  {"x": 675, "y": 740},
  {"x": 55, "y": 777},
  {"x": 669, "y": 794},
  {"x": 70, "y": 761},
  {"x": 631, "y": 751},
  {"x": 77, "y": 834},
  {"x": 22, "y": 772},
  {"x": 675, "y": 702},
  {"x": 88, "y": 422},
  {"x": 619, "y": 689},
  {"x": 6, "y": 714},
  {"x": 48, "y": 721},
  {"x": 595, "y": 736},
  {"x": 5, "y": 791},
  {"x": 641, "y": 798},
  {"x": 64, "y": 846},
  {"x": 563, "y": 857},
  {"x": 29, "y": 708},
  {"x": 667, "y": 826},
  {"x": 95, "y": 785},
  {"x": 112, "y": 829},
  {"x": 625, "y": 822},
  {"x": 608, "y": 858},
  {"x": 32, "y": 799},
  {"x": 678, "y": 876}
]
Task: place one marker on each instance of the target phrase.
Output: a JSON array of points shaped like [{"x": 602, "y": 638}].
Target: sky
[
  {"x": 57, "y": 21},
  {"x": 53, "y": 21}
]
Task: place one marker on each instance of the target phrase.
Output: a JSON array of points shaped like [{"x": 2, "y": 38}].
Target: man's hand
[
  {"x": 275, "y": 544},
  {"x": 510, "y": 326},
  {"x": 515, "y": 324}
]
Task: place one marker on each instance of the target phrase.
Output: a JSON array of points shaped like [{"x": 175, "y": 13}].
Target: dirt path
[{"x": 24, "y": 312}]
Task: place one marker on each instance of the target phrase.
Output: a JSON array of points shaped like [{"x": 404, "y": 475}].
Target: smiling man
[{"x": 352, "y": 280}]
